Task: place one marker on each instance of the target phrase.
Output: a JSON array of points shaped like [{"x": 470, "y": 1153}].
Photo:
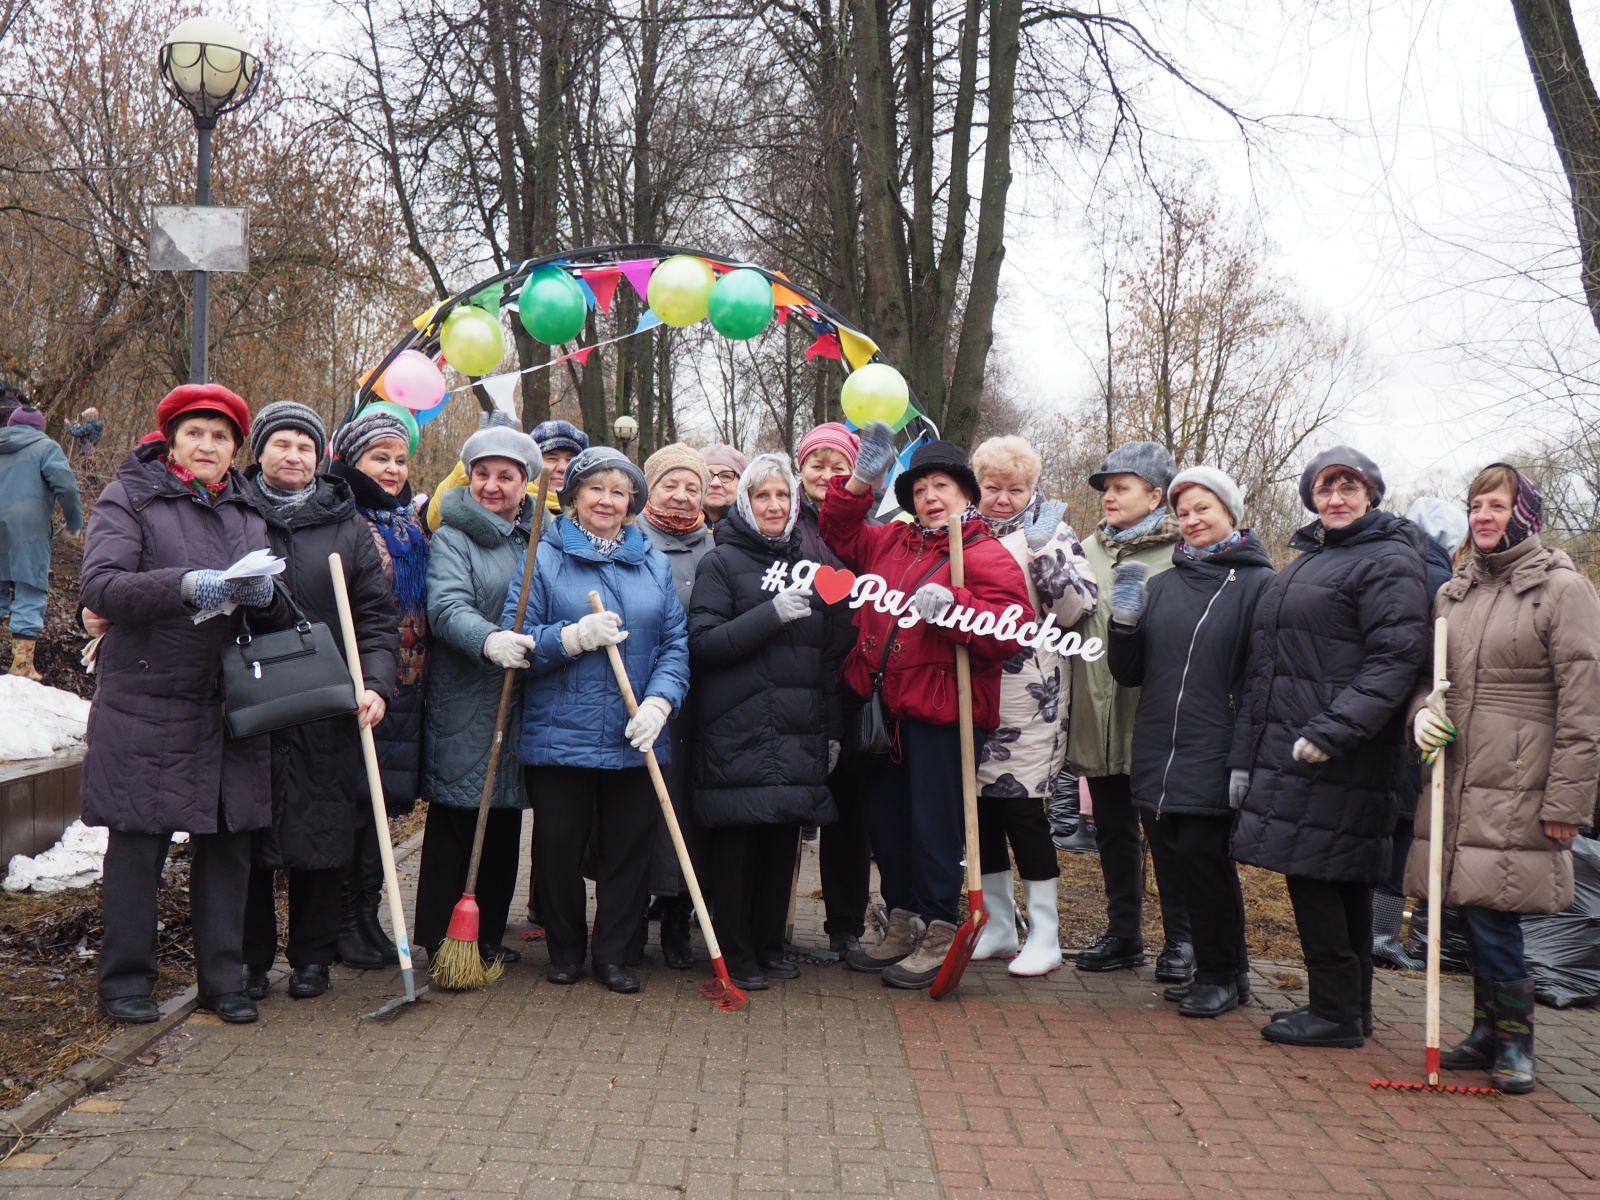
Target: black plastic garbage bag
[{"x": 1563, "y": 949}]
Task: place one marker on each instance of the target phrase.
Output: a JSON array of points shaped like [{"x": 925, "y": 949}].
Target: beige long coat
[{"x": 1525, "y": 700}]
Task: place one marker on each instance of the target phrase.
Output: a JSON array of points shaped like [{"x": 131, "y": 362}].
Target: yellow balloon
[
  {"x": 875, "y": 392},
  {"x": 680, "y": 290},
  {"x": 472, "y": 341}
]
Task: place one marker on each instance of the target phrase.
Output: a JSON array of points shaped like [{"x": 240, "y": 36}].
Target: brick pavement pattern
[{"x": 1071, "y": 1086}]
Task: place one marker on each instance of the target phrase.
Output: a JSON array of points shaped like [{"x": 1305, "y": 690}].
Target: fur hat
[
  {"x": 203, "y": 397},
  {"x": 1218, "y": 483},
  {"x": 559, "y": 435},
  {"x": 603, "y": 458},
  {"x": 502, "y": 441},
  {"x": 287, "y": 414},
  {"x": 675, "y": 456},
  {"x": 934, "y": 457},
  {"x": 832, "y": 436},
  {"x": 1150, "y": 461},
  {"x": 1341, "y": 456}
]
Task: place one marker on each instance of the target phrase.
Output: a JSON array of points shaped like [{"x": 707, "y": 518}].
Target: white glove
[
  {"x": 1432, "y": 731},
  {"x": 932, "y": 601},
  {"x": 833, "y": 755},
  {"x": 792, "y": 606},
  {"x": 592, "y": 632},
  {"x": 1310, "y": 752},
  {"x": 1238, "y": 787},
  {"x": 646, "y": 725},
  {"x": 507, "y": 649}
]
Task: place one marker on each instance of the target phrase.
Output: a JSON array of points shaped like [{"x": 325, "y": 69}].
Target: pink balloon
[{"x": 413, "y": 381}]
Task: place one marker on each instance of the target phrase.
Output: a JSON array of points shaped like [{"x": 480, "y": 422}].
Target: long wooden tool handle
[
  {"x": 662, "y": 794},
  {"x": 505, "y": 687},
  {"x": 969, "y": 763},
  {"x": 369, "y": 753},
  {"x": 1441, "y": 676}
]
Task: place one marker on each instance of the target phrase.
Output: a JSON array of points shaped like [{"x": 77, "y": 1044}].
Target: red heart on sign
[{"x": 832, "y": 584}]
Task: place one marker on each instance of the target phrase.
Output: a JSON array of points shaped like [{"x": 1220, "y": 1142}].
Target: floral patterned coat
[{"x": 1025, "y": 754}]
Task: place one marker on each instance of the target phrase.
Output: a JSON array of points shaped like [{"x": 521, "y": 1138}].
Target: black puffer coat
[
  {"x": 1189, "y": 655},
  {"x": 319, "y": 783},
  {"x": 766, "y": 696},
  {"x": 1340, "y": 643}
]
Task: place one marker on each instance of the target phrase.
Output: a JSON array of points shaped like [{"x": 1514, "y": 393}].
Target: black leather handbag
[{"x": 272, "y": 681}]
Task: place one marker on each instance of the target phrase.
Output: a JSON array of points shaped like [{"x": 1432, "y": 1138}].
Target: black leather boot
[
  {"x": 368, "y": 882},
  {"x": 352, "y": 948},
  {"x": 676, "y": 948},
  {"x": 1112, "y": 954}
]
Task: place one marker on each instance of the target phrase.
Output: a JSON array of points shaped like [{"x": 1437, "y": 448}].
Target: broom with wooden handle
[
  {"x": 721, "y": 990},
  {"x": 380, "y": 813},
  {"x": 459, "y": 964}
]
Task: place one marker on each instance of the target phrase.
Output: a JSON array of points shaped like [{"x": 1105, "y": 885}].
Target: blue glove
[
  {"x": 205, "y": 590},
  {"x": 1127, "y": 592},
  {"x": 254, "y": 592},
  {"x": 1040, "y": 527},
  {"x": 876, "y": 455}
]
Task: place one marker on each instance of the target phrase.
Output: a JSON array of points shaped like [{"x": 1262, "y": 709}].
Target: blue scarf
[
  {"x": 408, "y": 553},
  {"x": 1123, "y": 536},
  {"x": 1233, "y": 539}
]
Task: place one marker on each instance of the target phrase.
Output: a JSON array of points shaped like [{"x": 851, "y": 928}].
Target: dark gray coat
[
  {"x": 319, "y": 782},
  {"x": 157, "y": 758}
]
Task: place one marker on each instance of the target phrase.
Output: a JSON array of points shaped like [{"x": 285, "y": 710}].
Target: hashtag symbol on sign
[{"x": 777, "y": 574}]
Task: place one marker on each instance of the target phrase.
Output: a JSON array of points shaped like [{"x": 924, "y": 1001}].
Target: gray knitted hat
[
  {"x": 1150, "y": 461},
  {"x": 603, "y": 458},
  {"x": 501, "y": 441},
  {"x": 1218, "y": 483},
  {"x": 287, "y": 414},
  {"x": 371, "y": 425},
  {"x": 1341, "y": 456}
]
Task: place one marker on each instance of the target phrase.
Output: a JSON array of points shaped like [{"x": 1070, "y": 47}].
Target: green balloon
[
  {"x": 741, "y": 304},
  {"x": 404, "y": 413},
  {"x": 552, "y": 306}
]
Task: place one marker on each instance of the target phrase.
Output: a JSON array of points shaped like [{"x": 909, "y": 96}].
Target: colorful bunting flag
[
  {"x": 826, "y": 346},
  {"x": 582, "y": 355},
  {"x": 637, "y": 271},
  {"x": 601, "y": 283},
  {"x": 501, "y": 389},
  {"x": 858, "y": 349},
  {"x": 647, "y": 320},
  {"x": 588, "y": 292}
]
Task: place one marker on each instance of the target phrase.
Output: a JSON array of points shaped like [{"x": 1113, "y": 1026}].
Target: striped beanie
[
  {"x": 287, "y": 414},
  {"x": 371, "y": 425}
]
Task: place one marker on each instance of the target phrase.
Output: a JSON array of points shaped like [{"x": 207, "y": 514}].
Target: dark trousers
[
  {"x": 1021, "y": 821},
  {"x": 313, "y": 918},
  {"x": 914, "y": 817},
  {"x": 219, "y": 871},
  {"x": 1494, "y": 943},
  {"x": 1404, "y": 835},
  {"x": 750, "y": 890},
  {"x": 1116, "y": 833},
  {"x": 620, "y": 810},
  {"x": 362, "y": 889},
  {"x": 442, "y": 874},
  {"x": 844, "y": 853},
  {"x": 1211, "y": 891},
  {"x": 1335, "y": 922}
]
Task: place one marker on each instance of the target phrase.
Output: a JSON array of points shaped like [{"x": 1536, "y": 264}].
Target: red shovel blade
[{"x": 961, "y": 948}]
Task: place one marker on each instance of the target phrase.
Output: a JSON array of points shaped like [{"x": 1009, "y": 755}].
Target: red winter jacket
[{"x": 920, "y": 682}]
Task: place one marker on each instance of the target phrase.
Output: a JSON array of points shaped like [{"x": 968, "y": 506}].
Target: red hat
[{"x": 203, "y": 397}]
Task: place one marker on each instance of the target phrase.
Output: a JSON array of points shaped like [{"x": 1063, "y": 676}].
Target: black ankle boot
[
  {"x": 676, "y": 948},
  {"x": 368, "y": 882}
]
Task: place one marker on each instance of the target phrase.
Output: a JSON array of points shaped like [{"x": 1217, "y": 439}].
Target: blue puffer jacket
[
  {"x": 573, "y": 714},
  {"x": 34, "y": 478},
  {"x": 475, "y": 556}
]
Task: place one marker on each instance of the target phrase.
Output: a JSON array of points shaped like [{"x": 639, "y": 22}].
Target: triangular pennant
[
  {"x": 637, "y": 271},
  {"x": 601, "y": 283},
  {"x": 718, "y": 267},
  {"x": 826, "y": 346},
  {"x": 582, "y": 355},
  {"x": 647, "y": 320},
  {"x": 588, "y": 293},
  {"x": 890, "y": 502},
  {"x": 420, "y": 324},
  {"x": 502, "y": 389},
  {"x": 782, "y": 295},
  {"x": 858, "y": 349}
]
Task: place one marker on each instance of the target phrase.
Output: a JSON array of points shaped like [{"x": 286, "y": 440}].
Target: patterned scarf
[
  {"x": 1200, "y": 552},
  {"x": 206, "y": 493},
  {"x": 1149, "y": 525},
  {"x": 1527, "y": 512},
  {"x": 1002, "y": 526},
  {"x": 282, "y": 499},
  {"x": 395, "y": 520},
  {"x": 971, "y": 513},
  {"x": 606, "y": 546},
  {"x": 670, "y": 522}
]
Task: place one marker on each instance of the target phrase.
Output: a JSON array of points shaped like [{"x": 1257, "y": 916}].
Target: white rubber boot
[
  {"x": 1042, "y": 954},
  {"x": 998, "y": 938}
]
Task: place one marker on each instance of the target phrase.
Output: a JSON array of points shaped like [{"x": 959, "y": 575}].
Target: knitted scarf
[
  {"x": 207, "y": 493},
  {"x": 396, "y": 522},
  {"x": 282, "y": 499},
  {"x": 678, "y": 523},
  {"x": 970, "y": 513},
  {"x": 1148, "y": 525},
  {"x": 606, "y": 546},
  {"x": 1527, "y": 513},
  {"x": 1004, "y": 525},
  {"x": 1233, "y": 539}
]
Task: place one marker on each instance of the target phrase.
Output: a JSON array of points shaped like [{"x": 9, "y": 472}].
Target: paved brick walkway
[{"x": 1075, "y": 1086}]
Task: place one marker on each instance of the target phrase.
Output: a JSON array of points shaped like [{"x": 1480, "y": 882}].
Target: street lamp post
[
  {"x": 206, "y": 66},
  {"x": 625, "y": 429}
]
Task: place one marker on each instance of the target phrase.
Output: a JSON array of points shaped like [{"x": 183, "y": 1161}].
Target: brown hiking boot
[
  {"x": 22, "y": 660},
  {"x": 921, "y": 968},
  {"x": 899, "y": 940}
]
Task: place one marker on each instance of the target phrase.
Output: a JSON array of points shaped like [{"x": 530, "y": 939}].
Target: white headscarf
[{"x": 762, "y": 467}]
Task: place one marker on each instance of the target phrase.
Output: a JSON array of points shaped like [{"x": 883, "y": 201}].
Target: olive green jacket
[{"x": 1100, "y": 729}]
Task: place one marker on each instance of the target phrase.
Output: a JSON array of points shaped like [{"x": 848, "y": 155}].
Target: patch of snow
[
  {"x": 76, "y": 861},
  {"x": 36, "y": 721}
]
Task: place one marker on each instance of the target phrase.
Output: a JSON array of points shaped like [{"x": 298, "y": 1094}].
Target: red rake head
[
  {"x": 1402, "y": 1086},
  {"x": 721, "y": 990}
]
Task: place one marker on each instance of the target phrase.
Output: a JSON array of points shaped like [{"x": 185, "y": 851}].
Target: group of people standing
[{"x": 1238, "y": 713}]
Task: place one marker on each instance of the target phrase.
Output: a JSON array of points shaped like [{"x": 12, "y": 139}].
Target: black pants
[
  {"x": 1116, "y": 833},
  {"x": 442, "y": 874},
  {"x": 314, "y": 910},
  {"x": 915, "y": 819},
  {"x": 844, "y": 852},
  {"x": 620, "y": 810},
  {"x": 1335, "y": 921},
  {"x": 1404, "y": 835},
  {"x": 219, "y": 871},
  {"x": 1021, "y": 821},
  {"x": 750, "y": 890},
  {"x": 1211, "y": 891}
]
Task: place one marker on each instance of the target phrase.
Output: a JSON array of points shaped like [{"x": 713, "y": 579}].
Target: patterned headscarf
[{"x": 1527, "y": 512}]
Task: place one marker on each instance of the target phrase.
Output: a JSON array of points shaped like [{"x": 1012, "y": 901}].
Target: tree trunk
[
  {"x": 878, "y": 163},
  {"x": 1550, "y": 37}
]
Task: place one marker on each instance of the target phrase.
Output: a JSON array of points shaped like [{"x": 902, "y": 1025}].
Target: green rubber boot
[
  {"x": 1477, "y": 1052},
  {"x": 1514, "y": 1069}
]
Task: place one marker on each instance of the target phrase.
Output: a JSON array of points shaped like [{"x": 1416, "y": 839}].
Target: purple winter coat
[{"x": 157, "y": 759}]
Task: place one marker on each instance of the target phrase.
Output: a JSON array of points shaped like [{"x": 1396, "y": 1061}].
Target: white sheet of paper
[{"x": 256, "y": 563}]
